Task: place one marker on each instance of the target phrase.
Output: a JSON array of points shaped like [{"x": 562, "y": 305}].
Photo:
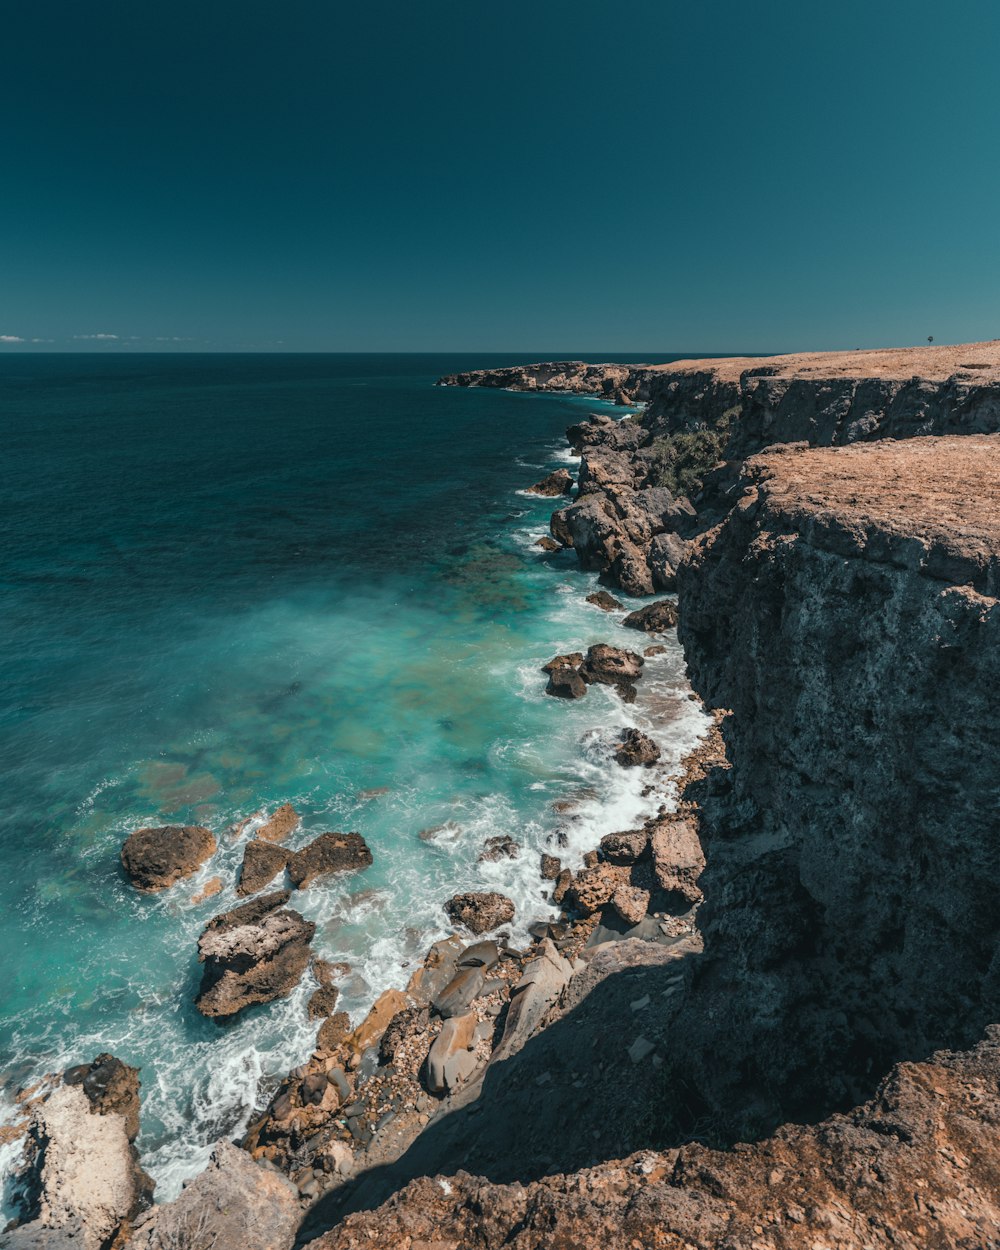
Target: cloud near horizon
[
  {"x": 11, "y": 338},
  {"x": 96, "y": 336}
]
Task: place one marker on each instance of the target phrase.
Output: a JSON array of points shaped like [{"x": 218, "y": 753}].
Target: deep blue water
[{"x": 234, "y": 581}]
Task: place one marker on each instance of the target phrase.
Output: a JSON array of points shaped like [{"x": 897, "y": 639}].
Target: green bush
[{"x": 680, "y": 461}]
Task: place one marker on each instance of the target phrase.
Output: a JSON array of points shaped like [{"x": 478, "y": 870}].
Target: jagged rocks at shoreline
[{"x": 253, "y": 954}]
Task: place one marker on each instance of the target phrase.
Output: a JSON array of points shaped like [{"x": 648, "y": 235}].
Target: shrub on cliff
[{"x": 680, "y": 461}]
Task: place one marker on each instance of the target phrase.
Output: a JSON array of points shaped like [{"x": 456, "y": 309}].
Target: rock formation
[
  {"x": 559, "y": 482},
  {"x": 329, "y": 853},
  {"x": 157, "y": 858},
  {"x": 480, "y": 912},
  {"x": 262, "y": 861},
  {"x": 252, "y": 954}
]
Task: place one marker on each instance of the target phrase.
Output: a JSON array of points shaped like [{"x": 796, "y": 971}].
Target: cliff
[{"x": 844, "y": 611}]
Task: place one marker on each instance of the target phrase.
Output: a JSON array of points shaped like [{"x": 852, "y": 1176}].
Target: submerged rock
[
  {"x": 480, "y": 911},
  {"x": 330, "y": 852},
  {"x": 262, "y": 861},
  {"x": 156, "y": 858},
  {"x": 654, "y": 618},
  {"x": 636, "y": 749},
  {"x": 279, "y": 826},
  {"x": 559, "y": 482},
  {"x": 502, "y": 846},
  {"x": 252, "y": 954}
]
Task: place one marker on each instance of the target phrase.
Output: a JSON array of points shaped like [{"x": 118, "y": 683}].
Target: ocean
[{"x": 233, "y": 581}]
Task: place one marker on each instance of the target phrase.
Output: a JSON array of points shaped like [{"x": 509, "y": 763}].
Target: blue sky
[{"x": 552, "y": 176}]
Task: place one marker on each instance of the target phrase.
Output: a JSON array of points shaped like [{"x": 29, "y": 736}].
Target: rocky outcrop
[
  {"x": 329, "y": 853},
  {"x": 654, "y": 618},
  {"x": 607, "y": 603},
  {"x": 917, "y": 1166},
  {"x": 480, "y": 912},
  {"x": 280, "y": 825},
  {"x": 622, "y": 383},
  {"x": 81, "y": 1178},
  {"x": 252, "y": 954},
  {"x": 636, "y": 749},
  {"x": 262, "y": 861},
  {"x": 560, "y": 482},
  {"x": 156, "y": 858},
  {"x": 235, "y": 1204}
]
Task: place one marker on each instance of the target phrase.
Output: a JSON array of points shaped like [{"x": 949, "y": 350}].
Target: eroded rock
[
  {"x": 560, "y": 482},
  {"x": 654, "y": 618},
  {"x": 480, "y": 911},
  {"x": 329, "y": 853},
  {"x": 262, "y": 861},
  {"x": 636, "y": 749}
]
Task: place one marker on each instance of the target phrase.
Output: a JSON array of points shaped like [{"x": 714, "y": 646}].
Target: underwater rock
[
  {"x": 502, "y": 846},
  {"x": 156, "y": 858},
  {"x": 278, "y": 827}
]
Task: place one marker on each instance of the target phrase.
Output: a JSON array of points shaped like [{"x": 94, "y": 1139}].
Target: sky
[{"x": 547, "y": 176}]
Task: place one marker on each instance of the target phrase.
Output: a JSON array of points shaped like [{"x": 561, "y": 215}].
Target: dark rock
[
  {"x": 551, "y": 867},
  {"x": 601, "y": 599},
  {"x": 262, "y": 861},
  {"x": 112, "y": 1088},
  {"x": 573, "y": 659},
  {"x": 559, "y": 527},
  {"x": 565, "y": 683},
  {"x": 611, "y": 666},
  {"x": 333, "y": 1032},
  {"x": 636, "y": 749},
  {"x": 548, "y": 544},
  {"x": 558, "y": 483},
  {"x": 252, "y": 954},
  {"x": 156, "y": 858},
  {"x": 330, "y": 852},
  {"x": 562, "y": 885},
  {"x": 480, "y": 955},
  {"x": 654, "y": 618},
  {"x": 502, "y": 846},
  {"x": 480, "y": 911},
  {"x": 625, "y": 848},
  {"x": 323, "y": 1002}
]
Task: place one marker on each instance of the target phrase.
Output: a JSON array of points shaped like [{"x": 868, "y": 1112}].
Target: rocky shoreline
[{"x": 781, "y": 942}]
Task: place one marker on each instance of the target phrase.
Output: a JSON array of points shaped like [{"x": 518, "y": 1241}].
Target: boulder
[
  {"x": 539, "y": 987},
  {"x": 262, "y": 861},
  {"x": 323, "y": 1002},
  {"x": 460, "y": 992},
  {"x": 654, "y": 618},
  {"x": 626, "y": 847},
  {"x": 156, "y": 858},
  {"x": 551, "y": 867},
  {"x": 548, "y": 544},
  {"x": 559, "y": 482},
  {"x": 611, "y": 666},
  {"x": 369, "y": 1032},
  {"x": 631, "y": 903},
  {"x": 502, "y": 846},
  {"x": 656, "y": 649},
  {"x": 636, "y": 749},
  {"x": 81, "y": 1175},
  {"x": 450, "y": 1062},
  {"x": 252, "y": 954},
  {"x": 484, "y": 955},
  {"x": 480, "y": 911},
  {"x": 678, "y": 860},
  {"x": 601, "y": 599},
  {"x": 592, "y": 888},
  {"x": 333, "y": 1032},
  {"x": 235, "y": 1204},
  {"x": 565, "y": 683},
  {"x": 572, "y": 659},
  {"x": 330, "y": 852},
  {"x": 278, "y": 827}
]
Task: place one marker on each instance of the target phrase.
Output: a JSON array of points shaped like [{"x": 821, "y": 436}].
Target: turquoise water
[{"x": 235, "y": 581}]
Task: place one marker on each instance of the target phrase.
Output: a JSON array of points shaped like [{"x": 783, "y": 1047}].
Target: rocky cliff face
[
  {"x": 845, "y": 611},
  {"x": 624, "y": 384}
]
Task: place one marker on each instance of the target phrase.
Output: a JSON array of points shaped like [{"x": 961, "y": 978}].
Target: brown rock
[
  {"x": 326, "y": 972},
  {"x": 211, "y": 887},
  {"x": 547, "y": 544},
  {"x": 654, "y": 618},
  {"x": 592, "y": 888},
  {"x": 678, "y": 860},
  {"x": 330, "y": 852},
  {"x": 262, "y": 861},
  {"x": 369, "y": 1031},
  {"x": 480, "y": 911},
  {"x": 562, "y": 885},
  {"x": 461, "y": 991},
  {"x": 611, "y": 666},
  {"x": 450, "y": 1063},
  {"x": 630, "y": 903},
  {"x": 636, "y": 749},
  {"x": 658, "y": 649},
  {"x": 571, "y": 660},
  {"x": 252, "y": 954},
  {"x": 560, "y": 529},
  {"x": 280, "y": 825},
  {"x": 404, "y": 1027},
  {"x": 551, "y": 867},
  {"x": 626, "y": 847},
  {"x": 323, "y": 1002},
  {"x": 566, "y": 683},
  {"x": 601, "y": 599},
  {"x": 333, "y": 1032},
  {"x": 111, "y": 1087},
  {"x": 557, "y": 483},
  {"x": 156, "y": 858}
]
